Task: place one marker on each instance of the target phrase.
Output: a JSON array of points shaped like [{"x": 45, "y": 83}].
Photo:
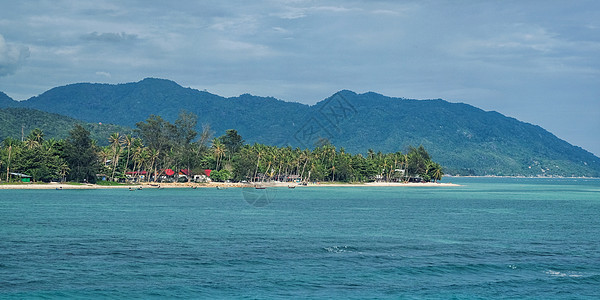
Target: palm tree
[
  {"x": 35, "y": 138},
  {"x": 259, "y": 154},
  {"x": 269, "y": 158},
  {"x": 153, "y": 156},
  {"x": 128, "y": 141},
  {"x": 8, "y": 163},
  {"x": 304, "y": 156},
  {"x": 218, "y": 151},
  {"x": 141, "y": 157},
  {"x": 435, "y": 171},
  {"x": 104, "y": 154},
  {"x": 63, "y": 170},
  {"x": 115, "y": 140}
]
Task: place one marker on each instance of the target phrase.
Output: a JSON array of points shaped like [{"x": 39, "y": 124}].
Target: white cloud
[
  {"x": 11, "y": 57},
  {"x": 514, "y": 57},
  {"x": 110, "y": 37},
  {"x": 103, "y": 74},
  {"x": 244, "y": 48}
]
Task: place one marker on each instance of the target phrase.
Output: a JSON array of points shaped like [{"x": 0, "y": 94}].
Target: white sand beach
[{"x": 145, "y": 185}]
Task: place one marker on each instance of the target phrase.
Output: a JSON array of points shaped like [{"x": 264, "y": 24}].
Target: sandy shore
[{"x": 61, "y": 186}]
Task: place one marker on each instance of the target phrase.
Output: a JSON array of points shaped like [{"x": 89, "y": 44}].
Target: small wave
[
  {"x": 561, "y": 274},
  {"x": 338, "y": 249}
]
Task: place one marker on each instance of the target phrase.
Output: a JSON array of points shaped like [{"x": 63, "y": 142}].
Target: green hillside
[
  {"x": 12, "y": 120},
  {"x": 6, "y": 101},
  {"x": 464, "y": 139},
  {"x": 126, "y": 104}
]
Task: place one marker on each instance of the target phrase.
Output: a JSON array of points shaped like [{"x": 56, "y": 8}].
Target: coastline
[
  {"x": 66, "y": 186},
  {"x": 508, "y": 176}
]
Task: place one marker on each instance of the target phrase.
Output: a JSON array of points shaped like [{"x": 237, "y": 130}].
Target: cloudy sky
[{"x": 537, "y": 61}]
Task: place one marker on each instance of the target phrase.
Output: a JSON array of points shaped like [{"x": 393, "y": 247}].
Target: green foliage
[
  {"x": 156, "y": 133},
  {"x": 264, "y": 163},
  {"x": 18, "y": 122},
  {"x": 78, "y": 158},
  {"x": 80, "y": 155},
  {"x": 221, "y": 175},
  {"x": 465, "y": 139},
  {"x": 186, "y": 127},
  {"x": 232, "y": 141},
  {"x": 34, "y": 157}
]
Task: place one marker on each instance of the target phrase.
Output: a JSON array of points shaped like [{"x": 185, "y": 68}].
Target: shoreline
[
  {"x": 145, "y": 185},
  {"x": 519, "y": 177}
]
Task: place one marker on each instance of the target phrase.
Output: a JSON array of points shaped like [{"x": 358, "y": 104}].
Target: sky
[{"x": 536, "y": 61}]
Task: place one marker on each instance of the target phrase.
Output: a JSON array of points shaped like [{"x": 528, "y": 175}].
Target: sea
[{"x": 490, "y": 238}]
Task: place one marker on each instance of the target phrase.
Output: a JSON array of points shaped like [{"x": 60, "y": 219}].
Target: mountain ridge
[
  {"x": 465, "y": 139},
  {"x": 15, "y": 122}
]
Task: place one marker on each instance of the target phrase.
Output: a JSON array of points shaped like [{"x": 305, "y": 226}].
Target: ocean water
[{"x": 490, "y": 238}]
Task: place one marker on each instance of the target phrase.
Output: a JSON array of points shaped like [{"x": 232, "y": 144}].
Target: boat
[
  {"x": 221, "y": 188},
  {"x": 291, "y": 187}
]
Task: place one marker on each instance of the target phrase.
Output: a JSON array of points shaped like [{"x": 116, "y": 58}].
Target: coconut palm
[
  {"x": 63, "y": 170},
  {"x": 115, "y": 140},
  {"x": 35, "y": 138},
  {"x": 104, "y": 154},
  {"x": 435, "y": 170},
  {"x": 10, "y": 147},
  {"x": 153, "y": 156},
  {"x": 128, "y": 142},
  {"x": 141, "y": 157},
  {"x": 218, "y": 151},
  {"x": 259, "y": 154}
]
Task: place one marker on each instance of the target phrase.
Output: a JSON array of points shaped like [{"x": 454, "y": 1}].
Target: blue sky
[{"x": 537, "y": 61}]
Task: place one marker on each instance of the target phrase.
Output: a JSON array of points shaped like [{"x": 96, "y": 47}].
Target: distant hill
[
  {"x": 6, "y": 101},
  {"x": 464, "y": 139},
  {"x": 12, "y": 120},
  {"x": 127, "y": 104}
]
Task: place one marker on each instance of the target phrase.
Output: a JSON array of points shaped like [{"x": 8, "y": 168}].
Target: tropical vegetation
[
  {"x": 157, "y": 146},
  {"x": 464, "y": 139}
]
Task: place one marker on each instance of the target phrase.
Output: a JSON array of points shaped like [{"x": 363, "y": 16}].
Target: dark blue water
[{"x": 490, "y": 238}]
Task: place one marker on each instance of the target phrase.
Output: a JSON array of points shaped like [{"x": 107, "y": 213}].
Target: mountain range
[
  {"x": 464, "y": 139},
  {"x": 18, "y": 122}
]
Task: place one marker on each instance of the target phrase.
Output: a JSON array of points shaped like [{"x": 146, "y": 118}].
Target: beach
[{"x": 152, "y": 185}]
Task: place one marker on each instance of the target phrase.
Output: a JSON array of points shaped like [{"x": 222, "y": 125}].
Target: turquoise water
[{"x": 490, "y": 238}]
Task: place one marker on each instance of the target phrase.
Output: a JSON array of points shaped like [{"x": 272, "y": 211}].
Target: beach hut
[{"x": 24, "y": 177}]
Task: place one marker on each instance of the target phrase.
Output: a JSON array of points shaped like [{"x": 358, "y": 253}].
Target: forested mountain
[
  {"x": 17, "y": 121},
  {"x": 6, "y": 101},
  {"x": 464, "y": 139},
  {"x": 256, "y": 118}
]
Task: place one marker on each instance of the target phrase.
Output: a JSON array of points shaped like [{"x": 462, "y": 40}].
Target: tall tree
[
  {"x": 80, "y": 156},
  {"x": 186, "y": 127},
  {"x": 160, "y": 137},
  {"x": 232, "y": 142},
  {"x": 218, "y": 152},
  {"x": 156, "y": 133},
  {"x": 128, "y": 142},
  {"x": 186, "y": 132},
  {"x": 115, "y": 140},
  {"x": 205, "y": 138}
]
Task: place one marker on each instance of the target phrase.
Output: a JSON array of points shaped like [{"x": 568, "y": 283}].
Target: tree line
[{"x": 157, "y": 145}]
